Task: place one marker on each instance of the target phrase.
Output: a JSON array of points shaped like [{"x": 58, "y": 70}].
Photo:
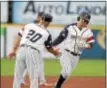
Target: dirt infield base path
[{"x": 73, "y": 82}]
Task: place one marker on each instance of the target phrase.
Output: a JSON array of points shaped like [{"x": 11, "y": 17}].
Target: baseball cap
[
  {"x": 85, "y": 15},
  {"x": 47, "y": 17}
]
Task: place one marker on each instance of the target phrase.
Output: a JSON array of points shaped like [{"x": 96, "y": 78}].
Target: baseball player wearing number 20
[
  {"x": 17, "y": 40},
  {"x": 35, "y": 38},
  {"x": 42, "y": 79},
  {"x": 77, "y": 37}
]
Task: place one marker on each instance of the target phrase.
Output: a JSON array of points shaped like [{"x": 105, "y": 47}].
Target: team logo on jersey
[{"x": 79, "y": 37}]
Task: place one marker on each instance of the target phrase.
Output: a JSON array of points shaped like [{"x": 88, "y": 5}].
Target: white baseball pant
[
  {"x": 27, "y": 58},
  {"x": 68, "y": 63},
  {"x": 41, "y": 73}
]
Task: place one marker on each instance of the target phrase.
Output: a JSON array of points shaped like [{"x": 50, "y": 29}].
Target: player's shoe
[
  {"x": 56, "y": 87},
  {"x": 46, "y": 84},
  {"x": 23, "y": 83}
]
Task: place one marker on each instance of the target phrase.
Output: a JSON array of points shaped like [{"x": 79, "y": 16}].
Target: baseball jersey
[
  {"x": 74, "y": 38},
  {"x": 35, "y": 36}
]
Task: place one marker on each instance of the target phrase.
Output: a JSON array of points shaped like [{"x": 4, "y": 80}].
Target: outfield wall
[
  {"x": 62, "y": 12},
  {"x": 98, "y": 50},
  {"x": 3, "y": 42}
]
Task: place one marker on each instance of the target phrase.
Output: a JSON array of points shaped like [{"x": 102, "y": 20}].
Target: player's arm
[
  {"x": 17, "y": 40},
  {"x": 16, "y": 43},
  {"x": 90, "y": 41},
  {"x": 61, "y": 37},
  {"x": 48, "y": 45}
]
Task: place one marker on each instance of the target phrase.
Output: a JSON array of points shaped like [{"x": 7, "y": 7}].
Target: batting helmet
[
  {"x": 85, "y": 15},
  {"x": 47, "y": 17}
]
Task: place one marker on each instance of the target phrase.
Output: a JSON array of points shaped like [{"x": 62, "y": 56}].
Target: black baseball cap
[{"x": 47, "y": 17}]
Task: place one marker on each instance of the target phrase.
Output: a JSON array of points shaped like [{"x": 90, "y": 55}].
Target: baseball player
[
  {"x": 76, "y": 37},
  {"x": 35, "y": 38},
  {"x": 41, "y": 74}
]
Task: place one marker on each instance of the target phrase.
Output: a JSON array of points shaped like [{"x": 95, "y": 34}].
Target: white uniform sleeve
[{"x": 90, "y": 38}]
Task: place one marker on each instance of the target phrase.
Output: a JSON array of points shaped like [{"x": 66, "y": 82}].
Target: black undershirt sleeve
[
  {"x": 48, "y": 43},
  {"x": 61, "y": 37}
]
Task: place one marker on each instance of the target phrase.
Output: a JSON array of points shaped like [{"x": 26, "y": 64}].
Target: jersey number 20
[{"x": 33, "y": 36}]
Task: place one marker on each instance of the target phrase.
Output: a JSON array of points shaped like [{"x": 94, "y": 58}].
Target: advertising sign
[{"x": 63, "y": 12}]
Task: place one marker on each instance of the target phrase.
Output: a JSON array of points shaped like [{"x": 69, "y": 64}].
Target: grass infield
[{"x": 53, "y": 68}]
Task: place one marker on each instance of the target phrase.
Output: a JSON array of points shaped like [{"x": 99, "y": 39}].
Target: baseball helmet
[
  {"x": 85, "y": 15},
  {"x": 47, "y": 17}
]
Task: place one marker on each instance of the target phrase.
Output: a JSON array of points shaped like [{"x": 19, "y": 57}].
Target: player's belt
[
  {"x": 75, "y": 54},
  {"x": 24, "y": 45}
]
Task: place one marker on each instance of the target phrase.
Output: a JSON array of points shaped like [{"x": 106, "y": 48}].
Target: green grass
[
  {"x": 90, "y": 68},
  {"x": 53, "y": 68}
]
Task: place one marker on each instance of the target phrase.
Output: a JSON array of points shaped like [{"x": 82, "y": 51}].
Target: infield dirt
[{"x": 72, "y": 82}]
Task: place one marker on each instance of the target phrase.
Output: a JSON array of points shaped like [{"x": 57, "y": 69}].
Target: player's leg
[
  {"x": 65, "y": 61},
  {"x": 42, "y": 79},
  {"x": 32, "y": 62},
  {"x": 23, "y": 82},
  {"x": 19, "y": 69},
  {"x": 41, "y": 72}
]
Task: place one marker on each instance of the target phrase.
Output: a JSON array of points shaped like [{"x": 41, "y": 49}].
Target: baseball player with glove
[
  {"x": 76, "y": 37},
  {"x": 35, "y": 38}
]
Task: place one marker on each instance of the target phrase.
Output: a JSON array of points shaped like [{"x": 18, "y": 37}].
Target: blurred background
[{"x": 14, "y": 15}]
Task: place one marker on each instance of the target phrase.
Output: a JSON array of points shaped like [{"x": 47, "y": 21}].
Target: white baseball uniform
[
  {"x": 41, "y": 70},
  {"x": 33, "y": 41},
  {"x": 75, "y": 40}
]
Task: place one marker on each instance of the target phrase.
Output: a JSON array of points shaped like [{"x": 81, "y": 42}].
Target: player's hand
[
  {"x": 11, "y": 55},
  {"x": 54, "y": 51},
  {"x": 81, "y": 46},
  {"x": 57, "y": 53}
]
